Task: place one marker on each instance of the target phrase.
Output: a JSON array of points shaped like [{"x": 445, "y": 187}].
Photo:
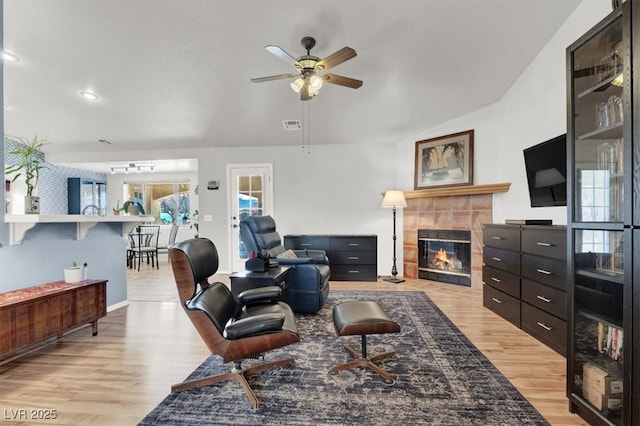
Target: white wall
[
  {"x": 334, "y": 189},
  {"x": 532, "y": 111}
]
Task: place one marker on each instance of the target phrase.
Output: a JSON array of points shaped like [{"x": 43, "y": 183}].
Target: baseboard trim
[{"x": 118, "y": 305}]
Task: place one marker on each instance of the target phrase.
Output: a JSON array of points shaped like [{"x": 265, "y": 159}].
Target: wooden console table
[{"x": 33, "y": 315}]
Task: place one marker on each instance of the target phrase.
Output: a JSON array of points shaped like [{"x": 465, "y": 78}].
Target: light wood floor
[{"x": 117, "y": 377}]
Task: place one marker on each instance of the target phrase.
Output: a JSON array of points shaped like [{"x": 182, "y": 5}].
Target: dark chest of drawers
[
  {"x": 501, "y": 271},
  {"x": 351, "y": 257},
  {"x": 544, "y": 285},
  {"x": 524, "y": 275}
]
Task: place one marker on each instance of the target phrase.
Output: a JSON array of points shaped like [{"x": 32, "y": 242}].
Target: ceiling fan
[{"x": 311, "y": 76}]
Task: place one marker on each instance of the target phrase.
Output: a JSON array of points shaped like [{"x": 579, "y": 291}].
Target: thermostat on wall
[{"x": 212, "y": 184}]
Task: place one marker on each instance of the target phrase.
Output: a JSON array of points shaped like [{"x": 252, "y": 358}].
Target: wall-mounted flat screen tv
[{"x": 546, "y": 166}]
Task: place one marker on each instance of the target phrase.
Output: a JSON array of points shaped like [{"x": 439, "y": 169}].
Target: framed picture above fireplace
[{"x": 444, "y": 161}]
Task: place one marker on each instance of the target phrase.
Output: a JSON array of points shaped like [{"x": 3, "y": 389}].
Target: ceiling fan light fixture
[
  {"x": 316, "y": 82},
  {"x": 312, "y": 68},
  {"x": 297, "y": 84}
]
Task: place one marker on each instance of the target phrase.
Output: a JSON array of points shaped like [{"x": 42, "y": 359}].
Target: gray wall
[{"x": 48, "y": 248}]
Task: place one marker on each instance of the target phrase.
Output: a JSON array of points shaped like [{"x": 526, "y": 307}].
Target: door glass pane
[
  {"x": 86, "y": 197},
  {"x": 599, "y": 335},
  {"x": 249, "y": 201},
  {"x": 598, "y": 127},
  {"x": 101, "y": 197}
]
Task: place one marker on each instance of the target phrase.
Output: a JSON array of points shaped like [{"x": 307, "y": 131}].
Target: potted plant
[
  {"x": 29, "y": 160},
  {"x": 194, "y": 221},
  {"x": 133, "y": 207},
  {"x": 75, "y": 273},
  {"x": 117, "y": 209}
]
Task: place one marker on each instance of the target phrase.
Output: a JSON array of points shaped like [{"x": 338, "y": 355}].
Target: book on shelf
[{"x": 610, "y": 341}]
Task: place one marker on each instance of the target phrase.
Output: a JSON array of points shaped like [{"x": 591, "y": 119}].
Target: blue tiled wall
[{"x": 52, "y": 184}]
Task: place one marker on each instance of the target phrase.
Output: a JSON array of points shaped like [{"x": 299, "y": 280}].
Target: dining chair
[
  {"x": 144, "y": 243},
  {"x": 172, "y": 238}
]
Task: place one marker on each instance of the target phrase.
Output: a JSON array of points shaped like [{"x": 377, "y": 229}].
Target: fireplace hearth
[{"x": 445, "y": 255}]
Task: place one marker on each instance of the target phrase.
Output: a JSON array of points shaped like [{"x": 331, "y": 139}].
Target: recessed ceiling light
[
  {"x": 10, "y": 57},
  {"x": 89, "y": 95}
]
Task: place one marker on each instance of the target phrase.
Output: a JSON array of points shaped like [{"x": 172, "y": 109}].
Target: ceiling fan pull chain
[{"x": 308, "y": 106}]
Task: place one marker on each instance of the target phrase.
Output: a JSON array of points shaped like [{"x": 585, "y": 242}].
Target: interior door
[{"x": 251, "y": 194}]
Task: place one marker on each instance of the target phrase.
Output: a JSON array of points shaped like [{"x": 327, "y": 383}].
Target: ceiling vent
[{"x": 292, "y": 125}]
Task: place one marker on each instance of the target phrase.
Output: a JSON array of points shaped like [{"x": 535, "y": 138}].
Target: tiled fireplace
[{"x": 458, "y": 212}]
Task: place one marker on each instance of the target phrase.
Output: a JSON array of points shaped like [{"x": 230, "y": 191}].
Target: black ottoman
[{"x": 362, "y": 318}]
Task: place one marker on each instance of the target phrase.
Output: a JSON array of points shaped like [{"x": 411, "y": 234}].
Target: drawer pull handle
[
  {"x": 497, "y": 259},
  {"x": 546, "y": 327},
  {"x": 353, "y": 244},
  {"x": 542, "y": 271},
  {"x": 354, "y": 272},
  {"x": 305, "y": 244},
  {"x": 497, "y": 238},
  {"x": 354, "y": 257},
  {"x": 496, "y": 279},
  {"x": 544, "y": 299},
  {"x": 496, "y": 300},
  {"x": 543, "y": 244}
]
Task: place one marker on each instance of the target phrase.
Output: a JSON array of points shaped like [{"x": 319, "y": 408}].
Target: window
[
  {"x": 594, "y": 199},
  {"x": 167, "y": 202},
  {"x": 250, "y": 195},
  {"x": 594, "y": 195}
]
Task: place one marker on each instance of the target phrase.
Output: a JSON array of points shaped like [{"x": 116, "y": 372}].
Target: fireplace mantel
[{"x": 459, "y": 190}]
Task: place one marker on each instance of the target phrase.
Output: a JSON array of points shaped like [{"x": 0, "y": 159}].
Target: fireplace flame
[{"x": 443, "y": 261}]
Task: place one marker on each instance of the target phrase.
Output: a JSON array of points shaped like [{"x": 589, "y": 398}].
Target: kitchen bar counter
[{"x": 19, "y": 224}]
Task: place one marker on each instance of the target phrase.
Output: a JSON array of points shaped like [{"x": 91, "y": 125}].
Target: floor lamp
[{"x": 394, "y": 200}]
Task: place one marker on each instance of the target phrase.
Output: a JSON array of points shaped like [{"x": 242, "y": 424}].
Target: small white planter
[
  {"x": 75, "y": 274},
  {"x": 32, "y": 204}
]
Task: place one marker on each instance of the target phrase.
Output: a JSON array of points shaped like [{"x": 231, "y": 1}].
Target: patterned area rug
[{"x": 440, "y": 378}]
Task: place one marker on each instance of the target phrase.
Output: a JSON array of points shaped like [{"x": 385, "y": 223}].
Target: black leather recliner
[{"x": 307, "y": 281}]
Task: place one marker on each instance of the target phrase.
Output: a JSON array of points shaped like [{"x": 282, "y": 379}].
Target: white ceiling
[{"x": 176, "y": 74}]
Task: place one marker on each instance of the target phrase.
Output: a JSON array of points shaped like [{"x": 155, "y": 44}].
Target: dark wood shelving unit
[{"x": 603, "y": 185}]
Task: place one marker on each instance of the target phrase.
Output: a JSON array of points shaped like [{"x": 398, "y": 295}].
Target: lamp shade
[{"x": 394, "y": 199}]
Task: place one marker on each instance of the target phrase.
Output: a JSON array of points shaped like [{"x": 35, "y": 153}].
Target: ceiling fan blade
[
  {"x": 282, "y": 54},
  {"x": 273, "y": 77},
  {"x": 342, "y": 81},
  {"x": 336, "y": 58},
  {"x": 305, "y": 92}
]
